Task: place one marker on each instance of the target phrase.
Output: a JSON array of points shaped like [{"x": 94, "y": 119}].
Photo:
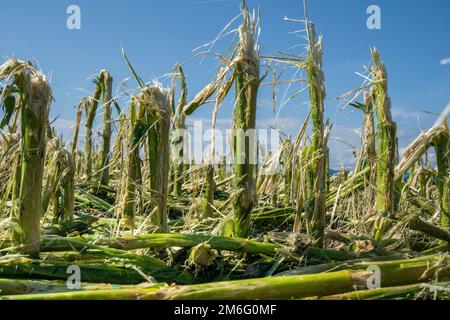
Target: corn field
[{"x": 139, "y": 223}]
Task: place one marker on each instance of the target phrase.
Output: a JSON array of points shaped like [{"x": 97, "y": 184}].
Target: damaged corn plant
[{"x": 123, "y": 201}]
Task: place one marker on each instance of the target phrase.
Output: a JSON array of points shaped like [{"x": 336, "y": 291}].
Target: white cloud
[
  {"x": 443, "y": 115},
  {"x": 445, "y": 61},
  {"x": 265, "y": 104},
  {"x": 344, "y": 141},
  {"x": 403, "y": 113},
  {"x": 65, "y": 128},
  {"x": 287, "y": 125}
]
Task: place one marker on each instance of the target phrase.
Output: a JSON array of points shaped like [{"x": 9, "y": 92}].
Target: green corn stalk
[
  {"x": 22, "y": 287},
  {"x": 210, "y": 170},
  {"x": 91, "y": 111},
  {"x": 60, "y": 186},
  {"x": 183, "y": 110},
  {"x": 34, "y": 101},
  {"x": 103, "y": 164},
  {"x": 417, "y": 149},
  {"x": 247, "y": 83},
  {"x": 368, "y": 156},
  {"x": 133, "y": 165},
  {"x": 210, "y": 190},
  {"x": 377, "y": 294},
  {"x": 16, "y": 177},
  {"x": 118, "y": 141},
  {"x": 442, "y": 149},
  {"x": 300, "y": 189},
  {"x": 445, "y": 220},
  {"x": 156, "y": 241},
  {"x": 317, "y": 152},
  {"x": 155, "y": 101},
  {"x": 314, "y": 179},
  {"x": 387, "y": 130},
  {"x": 393, "y": 274},
  {"x": 178, "y": 139},
  {"x": 80, "y": 108},
  {"x": 118, "y": 148},
  {"x": 288, "y": 172},
  {"x": 116, "y": 272},
  {"x": 422, "y": 181},
  {"x": 68, "y": 189},
  {"x": 299, "y": 173}
]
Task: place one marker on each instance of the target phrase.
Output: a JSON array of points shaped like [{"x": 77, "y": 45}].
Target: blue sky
[{"x": 156, "y": 34}]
